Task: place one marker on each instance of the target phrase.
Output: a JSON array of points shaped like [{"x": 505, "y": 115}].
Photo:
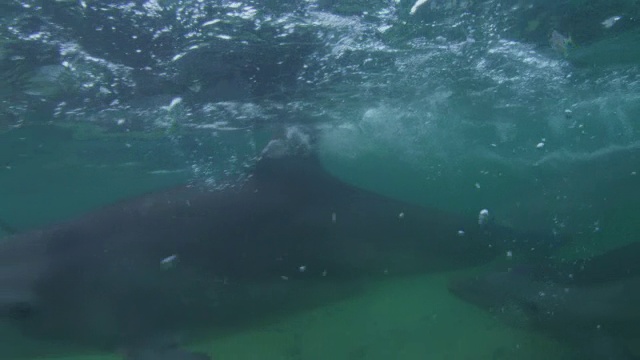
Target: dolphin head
[
  {"x": 491, "y": 290},
  {"x": 21, "y": 267}
]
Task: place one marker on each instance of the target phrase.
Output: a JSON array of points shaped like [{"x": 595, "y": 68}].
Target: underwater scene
[{"x": 319, "y": 179}]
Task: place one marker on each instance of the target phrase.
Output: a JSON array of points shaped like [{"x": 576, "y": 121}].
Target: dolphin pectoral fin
[
  {"x": 15, "y": 302},
  {"x": 599, "y": 346},
  {"x": 633, "y": 347},
  {"x": 17, "y": 310},
  {"x": 7, "y": 228},
  {"x": 169, "y": 352}
]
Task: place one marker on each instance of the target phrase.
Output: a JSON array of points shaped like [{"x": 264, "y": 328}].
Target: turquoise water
[
  {"x": 529, "y": 109},
  {"x": 403, "y": 318}
]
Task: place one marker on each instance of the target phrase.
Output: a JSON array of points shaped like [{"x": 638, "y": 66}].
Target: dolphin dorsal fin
[{"x": 290, "y": 157}]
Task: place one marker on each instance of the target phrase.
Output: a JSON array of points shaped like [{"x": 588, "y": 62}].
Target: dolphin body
[
  {"x": 611, "y": 266},
  {"x": 599, "y": 318},
  {"x": 171, "y": 261}
]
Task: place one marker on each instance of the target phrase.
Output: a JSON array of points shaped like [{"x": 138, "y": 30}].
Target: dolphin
[
  {"x": 188, "y": 257},
  {"x": 599, "y": 319},
  {"x": 613, "y": 265}
]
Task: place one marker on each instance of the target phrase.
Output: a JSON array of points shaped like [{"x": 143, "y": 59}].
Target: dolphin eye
[
  {"x": 20, "y": 310},
  {"x": 531, "y": 307}
]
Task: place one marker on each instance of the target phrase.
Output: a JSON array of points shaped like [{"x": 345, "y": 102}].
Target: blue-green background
[{"x": 446, "y": 108}]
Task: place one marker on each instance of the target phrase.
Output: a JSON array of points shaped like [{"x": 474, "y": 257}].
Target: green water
[
  {"x": 411, "y": 318},
  {"x": 391, "y": 318},
  {"x": 460, "y": 106}
]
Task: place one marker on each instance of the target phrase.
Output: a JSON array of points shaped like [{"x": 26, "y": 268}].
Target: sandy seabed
[{"x": 399, "y": 318}]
